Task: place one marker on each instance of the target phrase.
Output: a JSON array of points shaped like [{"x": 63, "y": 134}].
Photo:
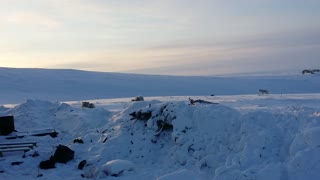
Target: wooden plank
[
  {"x": 25, "y": 149},
  {"x": 16, "y": 146},
  {"x": 15, "y": 143},
  {"x": 43, "y": 132}
]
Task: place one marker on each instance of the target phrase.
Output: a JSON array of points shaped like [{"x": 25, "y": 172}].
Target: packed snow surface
[{"x": 241, "y": 137}]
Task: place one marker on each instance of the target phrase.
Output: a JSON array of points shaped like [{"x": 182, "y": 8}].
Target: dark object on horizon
[
  {"x": 263, "y": 91},
  {"x": 310, "y": 71},
  {"x": 6, "y": 125},
  {"x": 87, "y": 105},
  {"x": 82, "y": 164},
  {"x": 200, "y": 101},
  {"x": 138, "y": 98}
]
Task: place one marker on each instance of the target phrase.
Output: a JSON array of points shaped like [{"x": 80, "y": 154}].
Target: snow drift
[{"x": 277, "y": 138}]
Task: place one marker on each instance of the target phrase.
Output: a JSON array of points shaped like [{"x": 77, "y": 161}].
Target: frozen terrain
[
  {"x": 242, "y": 135},
  {"x": 18, "y": 85}
]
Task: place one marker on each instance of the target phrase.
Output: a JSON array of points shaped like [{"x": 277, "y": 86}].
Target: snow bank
[
  {"x": 117, "y": 167},
  {"x": 173, "y": 140}
]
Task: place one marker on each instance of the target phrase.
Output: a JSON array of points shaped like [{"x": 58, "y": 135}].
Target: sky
[{"x": 176, "y": 37}]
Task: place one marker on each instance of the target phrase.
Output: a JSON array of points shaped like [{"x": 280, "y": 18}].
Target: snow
[
  {"x": 18, "y": 85},
  {"x": 117, "y": 167},
  {"x": 183, "y": 174},
  {"x": 274, "y": 136}
]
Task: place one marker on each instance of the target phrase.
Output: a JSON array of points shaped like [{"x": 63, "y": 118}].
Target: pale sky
[{"x": 177, "y": 37}]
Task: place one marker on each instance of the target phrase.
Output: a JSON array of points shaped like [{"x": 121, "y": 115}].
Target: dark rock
[
  {"x": 82, "y": 164},
  {"x": 48, "y": 164},
  {"x": 16, "y": 163},
  {"x": 80, "y": 141},
  {"x": 63, "y": 154}
]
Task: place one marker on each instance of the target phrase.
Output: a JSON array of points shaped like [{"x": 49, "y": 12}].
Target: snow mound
[
  {"x": 117, "y": 167},
  {"x": 275, "y": 139}
]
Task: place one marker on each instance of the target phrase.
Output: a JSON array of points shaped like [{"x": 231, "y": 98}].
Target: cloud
[
  {"x": 275, "y": 39},
  {"x": 171, "y": 36},
  {"x": 32, "y": 19},
  {"x": 268, "y": 52}
]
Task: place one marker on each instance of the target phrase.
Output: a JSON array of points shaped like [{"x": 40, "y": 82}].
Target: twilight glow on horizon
[{"x": 176, "y": 37}]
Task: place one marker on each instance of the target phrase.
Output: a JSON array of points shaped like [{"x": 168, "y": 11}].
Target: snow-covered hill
[
  {"x": 18, "y": 85},
  {"x": 240, "y": 135}
]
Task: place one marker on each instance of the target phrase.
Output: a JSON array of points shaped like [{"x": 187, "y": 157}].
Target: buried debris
[
  {"x": 63, "y": 154},
  {"x": 193, "y": 102},
  {"x": 158, "y": 119},
  {"x": 139, "y": 115},
  {"x": 87, "y": 105},
  {"x": 138, "y": 98}
]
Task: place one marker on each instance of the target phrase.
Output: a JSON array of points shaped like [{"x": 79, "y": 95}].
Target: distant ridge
[{"x": 19, "y": 84}]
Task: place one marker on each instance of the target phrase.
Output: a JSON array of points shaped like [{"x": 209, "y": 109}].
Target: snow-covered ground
[
  {"x": 273, "y": 136},
  {"x": 18, "y": 85}
]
